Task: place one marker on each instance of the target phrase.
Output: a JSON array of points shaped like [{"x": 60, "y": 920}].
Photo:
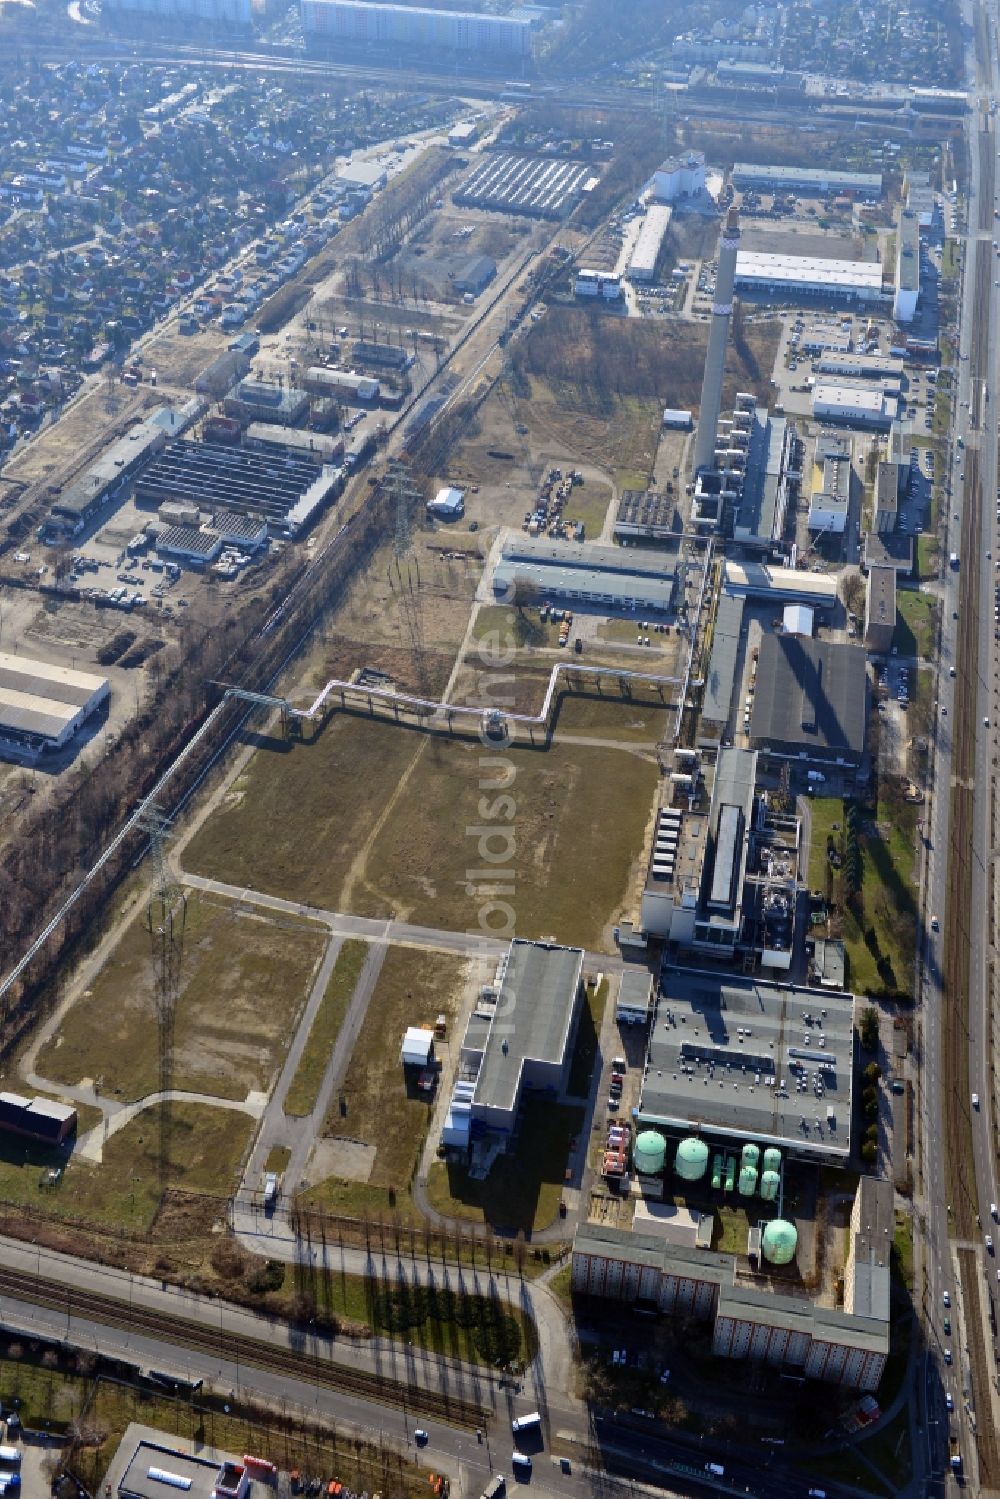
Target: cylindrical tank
[
  {"x": 747, "y": 1183},
  {"x": 691, "y": 1162},
  {"x": 750, "y": 1156},
  {"x": 772, "y": 1159},
  {"x": 650, "y": 1153},
  {"x": 778, "y": 1242},
  {"x": 770, "y": 1181}
]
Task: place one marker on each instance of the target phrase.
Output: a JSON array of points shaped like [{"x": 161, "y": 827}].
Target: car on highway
[
  {"x": 975, "y": 1100},
  {"x": 420, "y": 1437},
  {"x": 946, "y": 1298},
  {"x": 949, "y": 1401},
  {"x": 951, "y": 671},
  {"x": 946, "y": 1325},
  {"x": 989, "y": 1243},
  {"x": 935, "y": 924},
  {"x": 947, "y": 1355}
]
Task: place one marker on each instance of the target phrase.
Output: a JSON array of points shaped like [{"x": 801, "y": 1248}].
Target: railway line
[
  {"x": 310, "y": 1365},
  {"x": 963, "y": 925}
]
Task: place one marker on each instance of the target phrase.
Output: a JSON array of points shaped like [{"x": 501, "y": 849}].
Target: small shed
[
  {"x": 679, "y": 421},
  {"x": 418, "y": 1047},
  {"x": 798, "y": 620},
  {"x": 447, "y": 504}
]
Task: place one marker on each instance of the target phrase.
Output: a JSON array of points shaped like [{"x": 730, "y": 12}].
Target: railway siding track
[{"x": 249, "y": 1352}]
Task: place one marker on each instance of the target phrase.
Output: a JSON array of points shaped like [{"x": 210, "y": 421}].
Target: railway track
[{"x": 312, "y": 1367}]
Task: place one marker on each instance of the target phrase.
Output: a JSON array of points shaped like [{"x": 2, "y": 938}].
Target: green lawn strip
[
  {"x": 916, "y": 615},
  {"x": 305, "y": 1085},
  {"x": 523, "y": 1188}
]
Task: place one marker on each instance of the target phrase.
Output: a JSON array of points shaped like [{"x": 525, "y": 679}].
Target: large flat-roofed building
[
  {"x": 872, "y": 1231},
  {"x": 607, "y": 577},
  {"x": 880, "y": 610},
  {"x": 262, "y": 401},
  {"x": 645, "y": 253},
  {"x": 907, "y": 266},
  {"x": 646, "y": 515},
  {"x": 520, "y": 1038},
  {"x": 840, "y": 280},
  {"x": 811, "y": 703},
  {"x": 860, "y": 367},
  {"x": 740, "y": 1061},
  {"x": 42, "y": 706},
  {"x": 890, "y": 549},
  {"x": 854, "y": 405},
  {"x": 279, "y": 485},
  {"x": 156, "y": 1471},
  {"x": 816, "y": 181},
  {"x": 353, "y": 21},
  {"x": 830, "y": 498}
]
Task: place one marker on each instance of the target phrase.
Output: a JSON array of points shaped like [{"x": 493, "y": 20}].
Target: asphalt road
[{"x": 941, "y": 1378}]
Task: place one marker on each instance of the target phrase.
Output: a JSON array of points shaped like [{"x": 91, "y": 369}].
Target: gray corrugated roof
[
  {"x": 722, "y": 665},
  {"x": 759, "y": 500},
  {"x": 811, "y": 695},
  {"x": 598, "y": 587}
]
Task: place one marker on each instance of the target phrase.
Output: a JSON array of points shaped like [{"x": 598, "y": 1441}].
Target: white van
[
  {"x": 526, "y": 1423},
  {"x": 521, "y": 1460}
]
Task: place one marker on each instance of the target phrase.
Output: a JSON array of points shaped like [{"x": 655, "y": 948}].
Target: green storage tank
[
  {"x": 691, "y": 1161},
  {"x": 770, "y": 1181},
  {"x": 772, "y": 1159},
  {"x": 779, "y": 1240},
  {"x": 747, "y": 1184},
  {"x": 650, "y": 1153},
  {"x": 750, "y": 1156}
]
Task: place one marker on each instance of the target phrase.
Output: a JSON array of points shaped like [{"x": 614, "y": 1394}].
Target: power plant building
[
  {"x": 347, "y": 21},
  {"x": 520, "y": 1036},
  {"x": 811, "y": 703},
  {"x": 751, "y": 1061},
  {"x": 680, "y": 177}
]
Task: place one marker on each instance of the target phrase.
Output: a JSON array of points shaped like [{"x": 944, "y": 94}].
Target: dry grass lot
[
  {"x": 570, "y": 856},
  {"x": 301, "y": 817},
  {"x": 244, "y": 981},
  {"x": 412, "y": 989},
  {"x": 294, "y": 820},
  {"x": 206, "y": 1149}
]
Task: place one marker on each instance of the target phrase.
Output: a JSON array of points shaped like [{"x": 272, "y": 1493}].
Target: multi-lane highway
[{"x": 959, "y": 1178}]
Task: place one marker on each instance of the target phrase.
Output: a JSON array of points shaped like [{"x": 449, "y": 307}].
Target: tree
[
  {"x": 524, "y": 595},
  {"x": 869, "y": 1152},
  {"x": 872, "y": 1072},
  {"x": 868, "y": 1028},
  {"x": 852, "y": 592}
]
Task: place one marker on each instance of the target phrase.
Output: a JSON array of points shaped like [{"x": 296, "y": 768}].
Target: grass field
[
  {"x": 523, "y": 1189},
  {"x": 916, "y": 619},
  {"x": 569, "y": 860},
  {"x": 507, "y": 627},
  {"x": 824, "y": 813},
  {"x": 412, "y": 989},
  {"x": 206, "y": 1148},
  {"x": 244, "y": 980},
  {"x": 344, "y": 1199},
  {"x": 305, "y": 1085},
  {"x": 928, "y": 552}
]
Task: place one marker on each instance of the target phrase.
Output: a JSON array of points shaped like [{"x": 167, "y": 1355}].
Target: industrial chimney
[{"x": 718, "y": 335}]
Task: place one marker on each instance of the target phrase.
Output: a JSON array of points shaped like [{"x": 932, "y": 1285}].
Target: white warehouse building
[
  {"x": 854, "y": 404},
  {"x": 346, "y": 21},
  {"x": 645, "y": 253},
  {"x": 847, "y": 280}
]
